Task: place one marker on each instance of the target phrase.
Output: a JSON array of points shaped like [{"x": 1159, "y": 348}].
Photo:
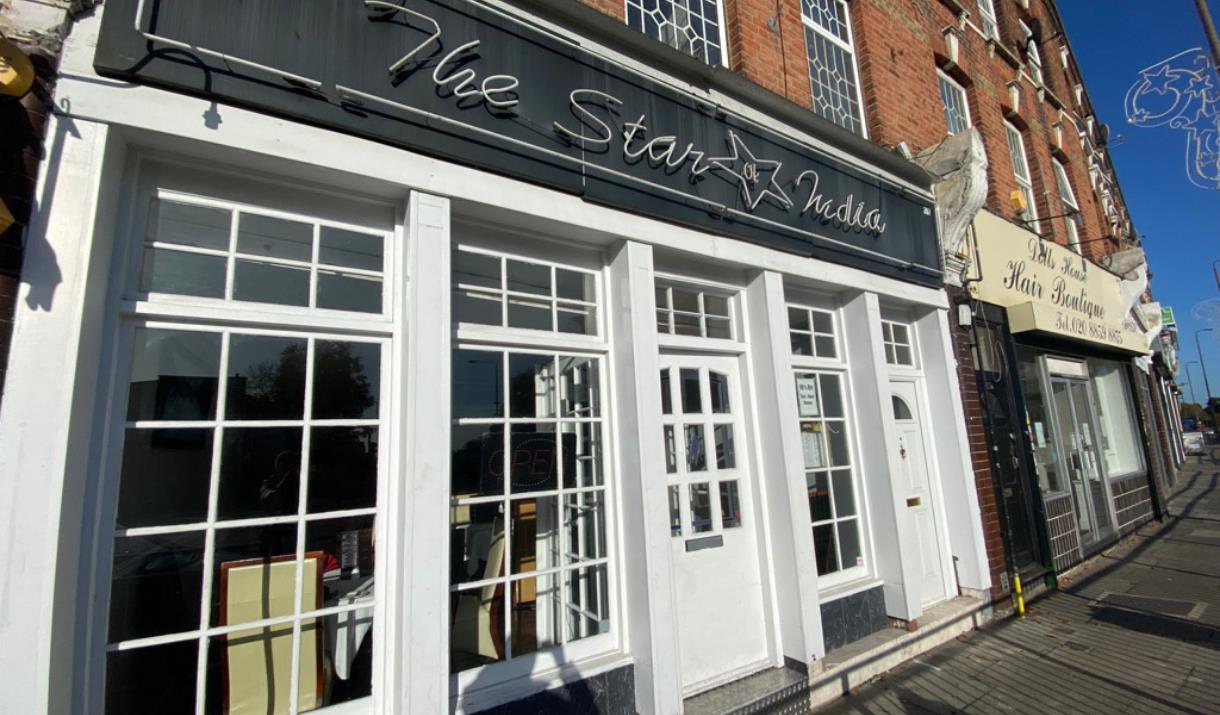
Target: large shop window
[
  {"x": 833, "y": 75},
  {"x": 830, "y": 474},
  {"x": 1120, "y": 442},
  {"x": 689, "y": 26},
  {"x": 529, "y": 550},
  {"x": 244, "y": 558}
]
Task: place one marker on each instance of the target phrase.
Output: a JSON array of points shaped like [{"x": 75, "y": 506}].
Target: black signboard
[{"x": 466, "y": 82}]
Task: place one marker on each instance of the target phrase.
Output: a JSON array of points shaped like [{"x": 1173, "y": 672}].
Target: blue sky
[{"x": 1179, "y": 222}]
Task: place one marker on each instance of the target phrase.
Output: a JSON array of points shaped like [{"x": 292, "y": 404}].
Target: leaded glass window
[
  {"x": 953, "y": 98},
  {"x": 1020, "y": 168},
  {"x": 833, "y": 77},
  {"x": 987, "y": 19},
  {"x": 1070, "y": 207},
  {"x": 690, "y": 26}
]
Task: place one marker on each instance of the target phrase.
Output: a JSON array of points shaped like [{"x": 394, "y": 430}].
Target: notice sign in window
[{"x": 807, "y": 395}]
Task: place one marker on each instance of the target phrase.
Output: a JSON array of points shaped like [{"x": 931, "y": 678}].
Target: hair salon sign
[
  {"x": 1049, "y": 288},
  {"x": 466, "y": 82}
]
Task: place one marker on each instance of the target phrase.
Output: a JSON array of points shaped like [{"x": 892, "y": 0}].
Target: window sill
[
  {"x": 848, "y": 588},
  {"x": 475, "y": 699}
]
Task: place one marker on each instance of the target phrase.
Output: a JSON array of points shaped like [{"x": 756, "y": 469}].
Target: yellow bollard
[{"x": 1016, "y": 582}]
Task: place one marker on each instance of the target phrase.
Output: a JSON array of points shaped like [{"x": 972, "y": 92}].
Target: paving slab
[{"x": 1134, "y": 630}]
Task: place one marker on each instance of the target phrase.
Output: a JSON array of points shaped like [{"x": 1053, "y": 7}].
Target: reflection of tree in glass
[
  {"x": 273, "y": 389},
  {"x": 341, "y": 386}
]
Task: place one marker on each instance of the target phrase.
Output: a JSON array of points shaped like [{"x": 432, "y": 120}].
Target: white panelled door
[
  {"x": 722, "y": 624},
  {"x": 916, "y": 476}
]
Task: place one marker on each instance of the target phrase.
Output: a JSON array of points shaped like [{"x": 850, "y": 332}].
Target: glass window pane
[
  {"x": 165, "y": 477},
  {"x": 802, "y": 344},
  {"x": 798, "y": 319},
  {"x": 687, "y": 325},
  {"x": 534, "y": 458},
  {"x": 476, "y": 635},
  {"x": 824, "y": 549},
  {"x": 574, "y": 285},
  {"x": 342, "y": 468},
  {"x": 719, "y": 328},
  {"x": 174, "y": 375},
  {"x": 476, "y": 269},
  {"x": 822, "y": 322},
  {"x": 253, "y": 575},
  {"x": 529, "y": 314},
  {"x": 818, "y": 486},
  {"x": 266, "y": 378},
  {"x": 845, "y": 501},
  {"x": 902, "y": 335},
  {"x": 339, "y": 247},
  {"x": 167, "y": 271},
  {"x": 671, "y": 451},
  {"x": 536, "y": 606},
  {"x": 345, "y": 549},
  {"x": 346, "y": 380},
  {"x": 262, "y": 282},
  {"x": 836, "y": 437},
  {"x": 696, "y": 449},
  {"x": 901, "y": 410},
  {"x": 902, "y": 355},
  {"x": 730, "y": 504},
  {"x": 726, "y": 456},
  {"x": 832, "y": 396},
  {"x": 531, "y": 385},
  {"x": 535, "y": 534},
  {"x": 476, "y": 542},
  {"x": 260, "y": 472},
  {"x": 477, "y": 308},
  {"x": 700, "y": 508},
  {"x": 586, "y": 596},
  {"x": 692, "y": 401},
  {"x": 584, "y": 526},
  {"x": 663, "y": 325},
  {"x": 577, "y": 319},
  {"x": 529, "y": 277},
  {"x": 825, "y": 347},
  {"x": 719, "y": 384},
  {"x": 716, "y": 305},
  {"x": 662, "y": 294},
  {"x": 156, "y": 679},
  {"x": 675, "y": 511},
  {"x": 269, "y": 237},
  {"x": 581, "y": 387},
  {"x": 813, "y": 444},
  {"x": 352, "y": 633},
  {"x": 478, "y": 384},
  {"x": 685, "y": 300},
  {"x": 849, "y": 544},
  {"x": 344, "y": 291},
  {"x": 666, "y": 397},
  {"x": 890, "y": 359},
  {"x": 189, "y": 225},
  {"x": 156, "y": 584},
  {"x": 582, "y": 454},
  {"x": 478, "y": 460}
]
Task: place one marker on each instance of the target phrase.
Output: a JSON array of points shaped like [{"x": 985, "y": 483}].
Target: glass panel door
[
  {"x": 1079, "y": 446},
  {"x": 1089, "y": 455}
]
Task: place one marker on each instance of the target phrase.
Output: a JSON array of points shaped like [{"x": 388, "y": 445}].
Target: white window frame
[
  {"x": 891, "y": 344},
  {"x": 987, "y": 19},
  {"x": 848, "y": 47},
  {"x": 1036, "y": 70},
  {"x": 137, "y": 309},
  {"x": 1016, "y": 150},
  {"x": 702, "y": 292},
  {"x": 840, "y": 367},
  {"x": 1070, "y": 205},
  {"x": 508, "y": 676},
  {"x": 947, "y": 83},
  {"x": 722, "y": 41}
]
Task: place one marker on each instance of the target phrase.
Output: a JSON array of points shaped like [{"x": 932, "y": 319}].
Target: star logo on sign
[{"x": 755, "y": 177}]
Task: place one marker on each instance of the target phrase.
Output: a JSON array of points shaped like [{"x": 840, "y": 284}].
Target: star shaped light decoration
[
  {"x": 1160, "y": 80},
  {"x": 751, "y": 174}
]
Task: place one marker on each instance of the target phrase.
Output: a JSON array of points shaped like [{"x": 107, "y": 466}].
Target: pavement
[{"x": 1134, "y": 630}]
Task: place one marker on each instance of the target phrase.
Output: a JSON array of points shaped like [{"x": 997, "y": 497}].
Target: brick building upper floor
[{"x": 906, "y": 74}]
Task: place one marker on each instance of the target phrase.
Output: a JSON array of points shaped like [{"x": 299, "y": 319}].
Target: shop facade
[
  {"x": 1062, "y": 367},
  {"x": 387, "y": 360}
]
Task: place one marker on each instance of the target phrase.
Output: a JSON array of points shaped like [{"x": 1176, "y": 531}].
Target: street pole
[
  {"x": 1203, "y": 364},
  {"x": 1216, "y": 272},
  {"x": 1194, "y": 397},
  {"x": 1210, "y": 30}
]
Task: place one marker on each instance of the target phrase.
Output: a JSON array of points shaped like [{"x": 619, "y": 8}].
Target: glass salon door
[{"x": 1078, "y": 440}]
